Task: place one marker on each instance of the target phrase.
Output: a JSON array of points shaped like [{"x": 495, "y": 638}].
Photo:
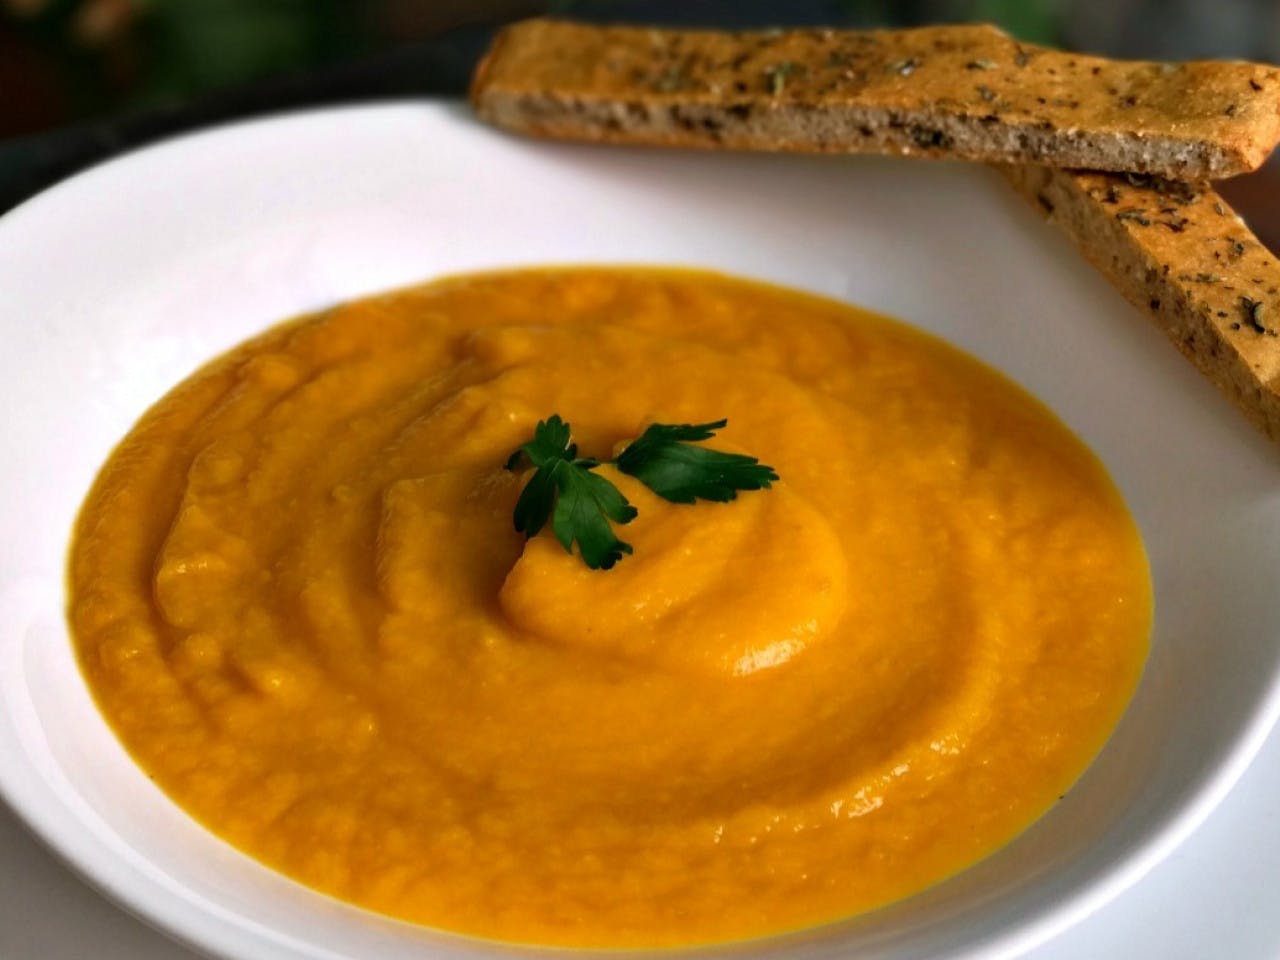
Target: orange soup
[{"x": 300, "y": 601}]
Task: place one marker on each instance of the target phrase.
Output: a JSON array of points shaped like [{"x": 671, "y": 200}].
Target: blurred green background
[{"x": 68, "y": 61}]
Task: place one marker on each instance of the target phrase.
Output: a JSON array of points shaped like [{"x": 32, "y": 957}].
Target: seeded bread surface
[
  {"x": 970, "y": 92},
  {"x": 1180, "y": 253}
]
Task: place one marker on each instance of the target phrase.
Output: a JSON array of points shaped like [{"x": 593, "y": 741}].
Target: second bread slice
[{"x": 1178, "y": 252}]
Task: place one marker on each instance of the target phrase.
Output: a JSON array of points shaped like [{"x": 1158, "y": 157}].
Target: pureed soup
[{"x": 300, "y": 600}]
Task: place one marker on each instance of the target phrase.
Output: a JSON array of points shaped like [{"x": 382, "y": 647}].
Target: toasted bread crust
[
  {"x": 969, "y": 92},
  {"x": 1180, "y": 253}
]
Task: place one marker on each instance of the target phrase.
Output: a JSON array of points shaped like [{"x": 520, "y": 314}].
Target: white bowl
[{"x": 119, "y": 282}]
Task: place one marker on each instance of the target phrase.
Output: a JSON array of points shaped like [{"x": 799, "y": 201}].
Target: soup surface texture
[{"x": 300, "y": 601}]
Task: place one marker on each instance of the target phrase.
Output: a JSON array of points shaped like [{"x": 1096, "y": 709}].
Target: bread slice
[
  {"x": 970, "y": 92},
  {"x": 1177, "y": 251}
]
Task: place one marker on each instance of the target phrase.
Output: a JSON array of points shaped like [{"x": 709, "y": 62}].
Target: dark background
[{"x": 82, "y": 80}]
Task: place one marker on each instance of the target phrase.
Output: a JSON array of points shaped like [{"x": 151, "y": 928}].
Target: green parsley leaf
[
  {"x": 581, "y": 505},
  {"x": 586, "y": 504},
  {"x": 674, "y": 469},
  {"x": 550, "y": 443},
  {"x": 536, "y": 500}
]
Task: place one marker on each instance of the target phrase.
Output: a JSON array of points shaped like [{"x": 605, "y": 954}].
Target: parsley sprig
[{"x": 581, "y": 504}]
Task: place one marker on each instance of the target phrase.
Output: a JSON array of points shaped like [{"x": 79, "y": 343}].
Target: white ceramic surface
[{"x": 118, "y": 282}]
